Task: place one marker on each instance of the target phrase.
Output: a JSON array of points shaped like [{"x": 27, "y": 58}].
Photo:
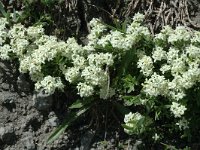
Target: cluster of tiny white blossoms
[
  {"x": 177, "y": 109},
  {"x": 4, "y": 48},
  {"x": 88, "y": 70},
  {"x": 97, "y": 28},
  {"x": 173, "y": 66},
  {"x": 49, "y": 85},
  {"x": 126, "y": 39},
  {"x": 131, "y": 121},
  {"x": 82, "y": 66}
]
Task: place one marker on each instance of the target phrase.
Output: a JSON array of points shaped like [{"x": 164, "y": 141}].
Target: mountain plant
[{"x": 153, "y": 81}]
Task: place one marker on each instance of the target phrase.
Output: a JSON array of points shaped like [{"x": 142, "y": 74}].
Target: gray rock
[
  {"x": 86, "y": 140},
  {"x": 7, "y": 97},
  {"x": 31, "y": 121},
  {"x": 28, "y": 142},
  {"x": 7, "y": 134},
  {"x": 5, "y": 86},
  {"x": 53, "y": 121},
  {"x": 22, "y": 84},
  {"x": 9, "y": 148},
  {"x": 42, "y": 102}
]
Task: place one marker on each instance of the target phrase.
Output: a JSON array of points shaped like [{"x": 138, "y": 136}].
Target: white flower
[
  {"x": 73, "y": 47},
  {"x": 71, "y": 74},
  {"x": 35, "y": 32},
  {"x": 19, "y": 46},
  {"x": 94, "y": 75},
  {"x": 131, "y": 120},
  {"x": 156, "y": 137},
  {"x": 180, "y": 35},
  {"x": 138, "y": 17},
  {"x": 165, "y": 68},
  {"x": 85, "y": 90},
  {"x": 172, "y": 54},
  {"x": 24, "y": 64},
  {"x": 155, "y": 85},
  {"x": 146, "y": 65},
  {"x": 183, "y": 124},
  {"x": 96, "y": 29},
  {"x": 78, "y": 61},
  {"x": 3, "y": 21},
  {"x": 177, "y": 109},
  {"x": 177, "y": 95},
  {"x": 178, "y": 66},
  {"x": 117, "y": 39},
  {"x": 196, "y": 37},
  {"x": 193, "y": 52},
  {"x": 17, "y": 31},
  {"x": 132, "y": 116},
  {"x": 49, "y": 84},
  {"x": 129, "y": 41},
  {"x": 158, "y": 54},
  {"x": 100, "y": 59},
  {"x": 4, "y": 52}
]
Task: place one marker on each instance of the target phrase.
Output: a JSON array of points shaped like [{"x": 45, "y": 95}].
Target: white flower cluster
[
  {"x": 43, "y": 52},
  {"x": 3, "y": 35},
  {"x": 183, "y": 124},
  {"x": 97, "y": 29},
  {"x": 33, "y": 49},
  {"x": 125, "y": 40},
  {"x": 49, "y": 85},
  {"x": 88, "y": 69},
  {"x": 83, "y": 65},
  {"x": 131, "y": 121},
  {"x": 146, "y": 65},
  {"x": 173, "y": 66},
  {"x": 156, "y": 85},
  {"x": 177, "y": 109},
  {"x": 4, "y": 48},
  {"x": 156, "y": 137}
]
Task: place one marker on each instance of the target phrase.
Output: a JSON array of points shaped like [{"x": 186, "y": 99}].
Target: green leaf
[
  {"x": 129, "y": 83},
  {"x": 72, "y": 117},
  {"x": 127, "y": 59},
  {"x": 111, "y": 27},
  {"x": 117, "y": 23},
  {"x": 121, "y": 108},
  {"x": 77, "y": 104},
  {"x": 3, "y": 10},
  {"x": 80, "y": 103},
  {"x": 157, "y": 115},
  {"x": 132, "y": 100},
  {"x": 127, "y": 127},
  {"x": 124, "y": 25}
]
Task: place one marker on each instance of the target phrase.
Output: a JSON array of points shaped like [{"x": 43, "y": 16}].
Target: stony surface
[{"x": 22, "y": 124}]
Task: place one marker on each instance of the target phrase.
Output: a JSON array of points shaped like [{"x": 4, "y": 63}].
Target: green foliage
[
  {"x": 71, "y": 117},
  {"x": 3, "y": 12},
  {"x": 129, "y": 83}
]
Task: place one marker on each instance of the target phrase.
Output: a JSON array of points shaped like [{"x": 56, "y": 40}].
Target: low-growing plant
[{"x": 156, "y": 78}]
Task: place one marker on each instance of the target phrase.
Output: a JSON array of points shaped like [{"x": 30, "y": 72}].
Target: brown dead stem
[{"x": 159, "y": 13}]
